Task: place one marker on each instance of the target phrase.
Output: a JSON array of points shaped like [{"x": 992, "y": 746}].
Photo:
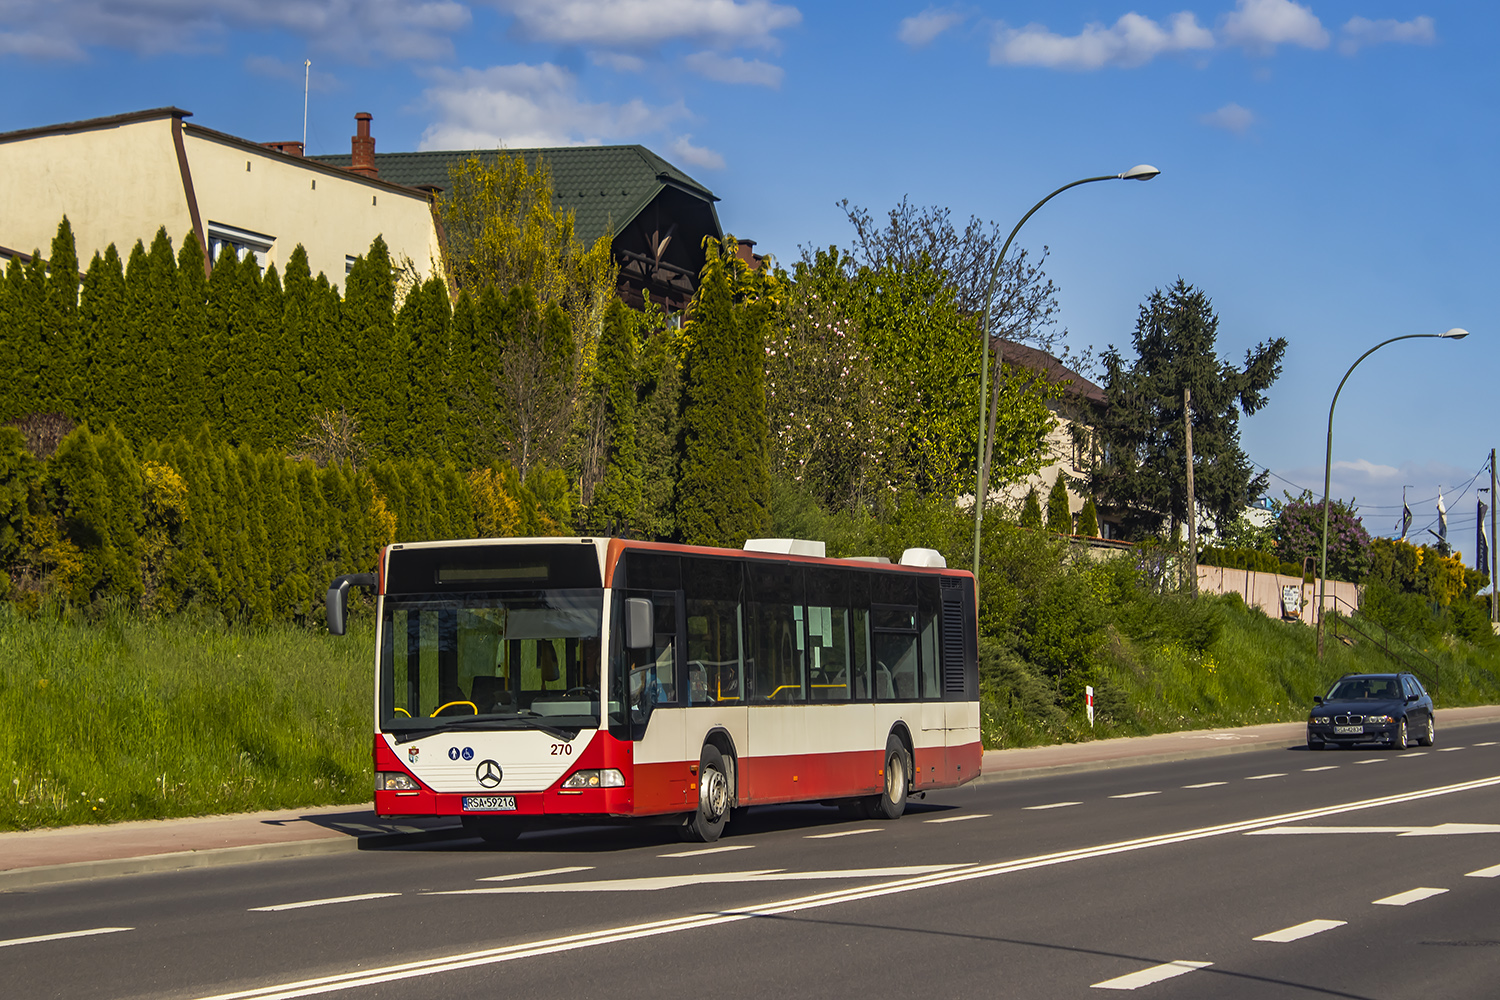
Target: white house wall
[{"x": 116, "y": 184}]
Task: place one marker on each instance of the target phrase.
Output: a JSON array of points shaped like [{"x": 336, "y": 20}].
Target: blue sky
[{"x": 1323, "y": 163}]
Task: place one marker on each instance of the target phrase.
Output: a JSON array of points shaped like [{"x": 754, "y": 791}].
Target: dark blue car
[{"x": 1390, "y": 710}]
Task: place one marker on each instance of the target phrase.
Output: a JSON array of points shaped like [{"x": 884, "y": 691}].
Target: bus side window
[
  {"x": 895, "y": 649},
  {"x": 715, "y": 641},
  {"x": 930, "y": 604},
  {"x": 859, "y": 673},
  {"x": 828, "y": 654},
  {"x": 776, "y": 592}
]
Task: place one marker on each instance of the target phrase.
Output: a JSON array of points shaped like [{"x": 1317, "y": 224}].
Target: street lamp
[
  {"x": 1454, "y": 334},
  {"x": 1140, "y": 172}
]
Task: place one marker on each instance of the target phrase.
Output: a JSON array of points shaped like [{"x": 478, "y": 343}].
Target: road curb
[{"x": 79, "y": 871}]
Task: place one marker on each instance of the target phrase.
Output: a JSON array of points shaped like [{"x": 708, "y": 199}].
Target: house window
[
  {"x": 244, "y": 242},
  {"x": 349, "y": 263}
]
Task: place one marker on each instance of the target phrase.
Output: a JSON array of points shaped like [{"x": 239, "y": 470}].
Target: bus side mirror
[
  {"x": 638, "y": 623},
  {"x": 337, "y": 602}
]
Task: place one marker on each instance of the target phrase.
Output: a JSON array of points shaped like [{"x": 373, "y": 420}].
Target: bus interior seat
[{"x": 883, "y": 688}]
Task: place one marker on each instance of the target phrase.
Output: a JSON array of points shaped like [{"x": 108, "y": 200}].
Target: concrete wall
[{"x": 1264, "y": 591}]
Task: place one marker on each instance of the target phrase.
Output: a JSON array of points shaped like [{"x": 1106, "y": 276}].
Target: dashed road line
[
  {"x": 64, "y": 935},
  {"x": 1300, "y": 931},
  {"x": 1487, "y": 743},
  {"x": 1491, "y": 872},
  {"x": 321, "y": 902},
  {"x": 1417, "y": 753},
  {"x": 843, "y": 833},
  {"x": 1373, "y": 760},
  {"x": 1133, "y": 795},
  {"x": 1325, "y": 767},
  {"x": 544, "y": 871},
  {"x": 1448, "y": 749},
  {"x": 700, "y": 852},
  {"x": 1409, "y": 896},
  {"x": 1206, "y": 784},
  {"x": 1155, "y": 974},
  {"x": 960, "y": 819},
  {"x": 1262, "y": 777},
  {"x": 1053, "y": 805}
]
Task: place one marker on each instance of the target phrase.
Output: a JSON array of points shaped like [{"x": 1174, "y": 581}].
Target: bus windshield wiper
[{"x": 527, "y": 719}]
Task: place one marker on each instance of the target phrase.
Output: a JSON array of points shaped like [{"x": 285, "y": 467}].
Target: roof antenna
[{"x": 306, "y": 79}]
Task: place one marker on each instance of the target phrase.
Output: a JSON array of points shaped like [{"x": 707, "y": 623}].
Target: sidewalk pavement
[{"x": 42, "y": 857}]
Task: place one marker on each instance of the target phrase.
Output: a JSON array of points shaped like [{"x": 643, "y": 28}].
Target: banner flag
[
  {"x": 1442, "y": 518},
  {"x": 1482, "y": 543},
  {"x": 1405, "y": 519}
]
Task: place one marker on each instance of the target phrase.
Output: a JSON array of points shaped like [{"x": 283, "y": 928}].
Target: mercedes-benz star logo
[{"x": 488, "y": 773}]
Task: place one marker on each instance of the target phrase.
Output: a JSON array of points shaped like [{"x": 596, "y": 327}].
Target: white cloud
[
  {"x": 920, "y": 29},
  {"x": 1360, "y": 32},
  {"x": 733, "y": 69},
  {"x": 698, "y": 156},
  {"x": 1370, "y": 471},
  {"x": 618, "y": 61},
  {"x": 645, "y": 23},
  {"x": 1261, "y": 25},
  {"x": 39, "y": 45},
  {"x": 524, "y": 105},
  {"x": 355, "y": 29},
  {"x": 1133, "y": 40},
  {"x": 1231, "y": 117}
]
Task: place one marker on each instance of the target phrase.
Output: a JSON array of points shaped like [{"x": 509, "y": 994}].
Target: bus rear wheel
[
  {"x": 714, "y": 798},
  {"x": 891, "y": 802}
]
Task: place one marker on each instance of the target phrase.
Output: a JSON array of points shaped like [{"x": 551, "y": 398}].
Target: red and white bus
[{"x": 527, "y": 679}]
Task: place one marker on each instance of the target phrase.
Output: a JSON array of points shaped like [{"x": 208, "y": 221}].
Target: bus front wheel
[
  {"x": 493, "y": 831},
  {"x": 891, "y": 802},
  {"x": 714, "y": 797}
]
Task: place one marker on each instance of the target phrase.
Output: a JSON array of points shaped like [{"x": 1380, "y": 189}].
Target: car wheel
[
  {"x": 1431, "y": 736},
  {"x": 1402, "y": 742}
]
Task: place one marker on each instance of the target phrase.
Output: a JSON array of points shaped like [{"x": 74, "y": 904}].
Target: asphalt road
[{"x": 1265, "y": 874}]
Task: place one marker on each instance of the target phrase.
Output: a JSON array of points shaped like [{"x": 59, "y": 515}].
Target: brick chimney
[
  {"x": 362, "y": 147},
  {"x": 745, "y": 251},
  {"x": 292, "y": 148}
]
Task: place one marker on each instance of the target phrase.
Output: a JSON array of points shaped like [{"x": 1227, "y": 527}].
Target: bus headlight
[
  {"x": 395, "y": 781},
  {"x": 606, "y": 778}
]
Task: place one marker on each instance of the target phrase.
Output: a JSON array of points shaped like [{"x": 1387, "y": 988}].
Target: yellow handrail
[{"x": 451, "y": 704}]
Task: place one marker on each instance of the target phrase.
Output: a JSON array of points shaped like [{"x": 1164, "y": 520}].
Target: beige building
[{"x": 119, "y": 179}]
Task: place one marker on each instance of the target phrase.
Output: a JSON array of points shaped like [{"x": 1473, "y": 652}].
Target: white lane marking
[
  {"x": 635, "y": 932},
  {"x": 697, "y": 853},
  {"x": 64, "y": 935},
  {"x": 1487, "y": 743},
  {"x": 1373, "y": 760},
  {"x": 1325, "y": 767},
  {"x": 1301, "y": 931},
  {"x": 544, "y": 871},
  {"x": 321, "y": 902},
  {"x": 1409, "y": 896},
  {"x": 1262, "y": 777},
  {"x": 1491, "y": 872},
  {"x": 1206, "y": 784},
  {"x": 652, "y": 883},
  {"x": 1155, "y": 974},
  {"x": 1416, "y": 753},
  {"x": 1441, "y": 830},
  {"x": 1054, "y": 805},
  {"x": 1133, "y": 795},
  {"x": 843, "y": 833},
  {"x": 959, "y": 819},
  {"x": 1448, "y": 749}
]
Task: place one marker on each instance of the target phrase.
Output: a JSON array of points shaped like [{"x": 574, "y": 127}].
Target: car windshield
[
  {"x": 480, "y": 660},
  {"x": 1366, "y": 688}
]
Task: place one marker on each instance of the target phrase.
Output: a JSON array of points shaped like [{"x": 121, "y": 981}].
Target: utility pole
[
  {"x": 1192, "y": 506},
  {"x": 1494, "y": 553}
]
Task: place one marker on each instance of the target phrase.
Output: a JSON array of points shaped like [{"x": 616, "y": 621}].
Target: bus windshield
[{"x": 487, "y": 660}]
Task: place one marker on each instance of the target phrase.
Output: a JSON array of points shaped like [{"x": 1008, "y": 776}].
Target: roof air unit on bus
[
  {"x": 787, "y": 546},
  {"x": 930, "y": 558}
]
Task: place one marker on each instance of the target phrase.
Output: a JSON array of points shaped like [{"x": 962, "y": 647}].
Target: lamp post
[
  {"x": 1140, "y": 172},
  {"x": 1454, "y": 334}
]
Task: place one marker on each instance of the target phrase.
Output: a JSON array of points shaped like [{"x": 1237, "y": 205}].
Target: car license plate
[
  {"x": 489, "y": 803},
  {"x": 1342, "y": 731}
]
